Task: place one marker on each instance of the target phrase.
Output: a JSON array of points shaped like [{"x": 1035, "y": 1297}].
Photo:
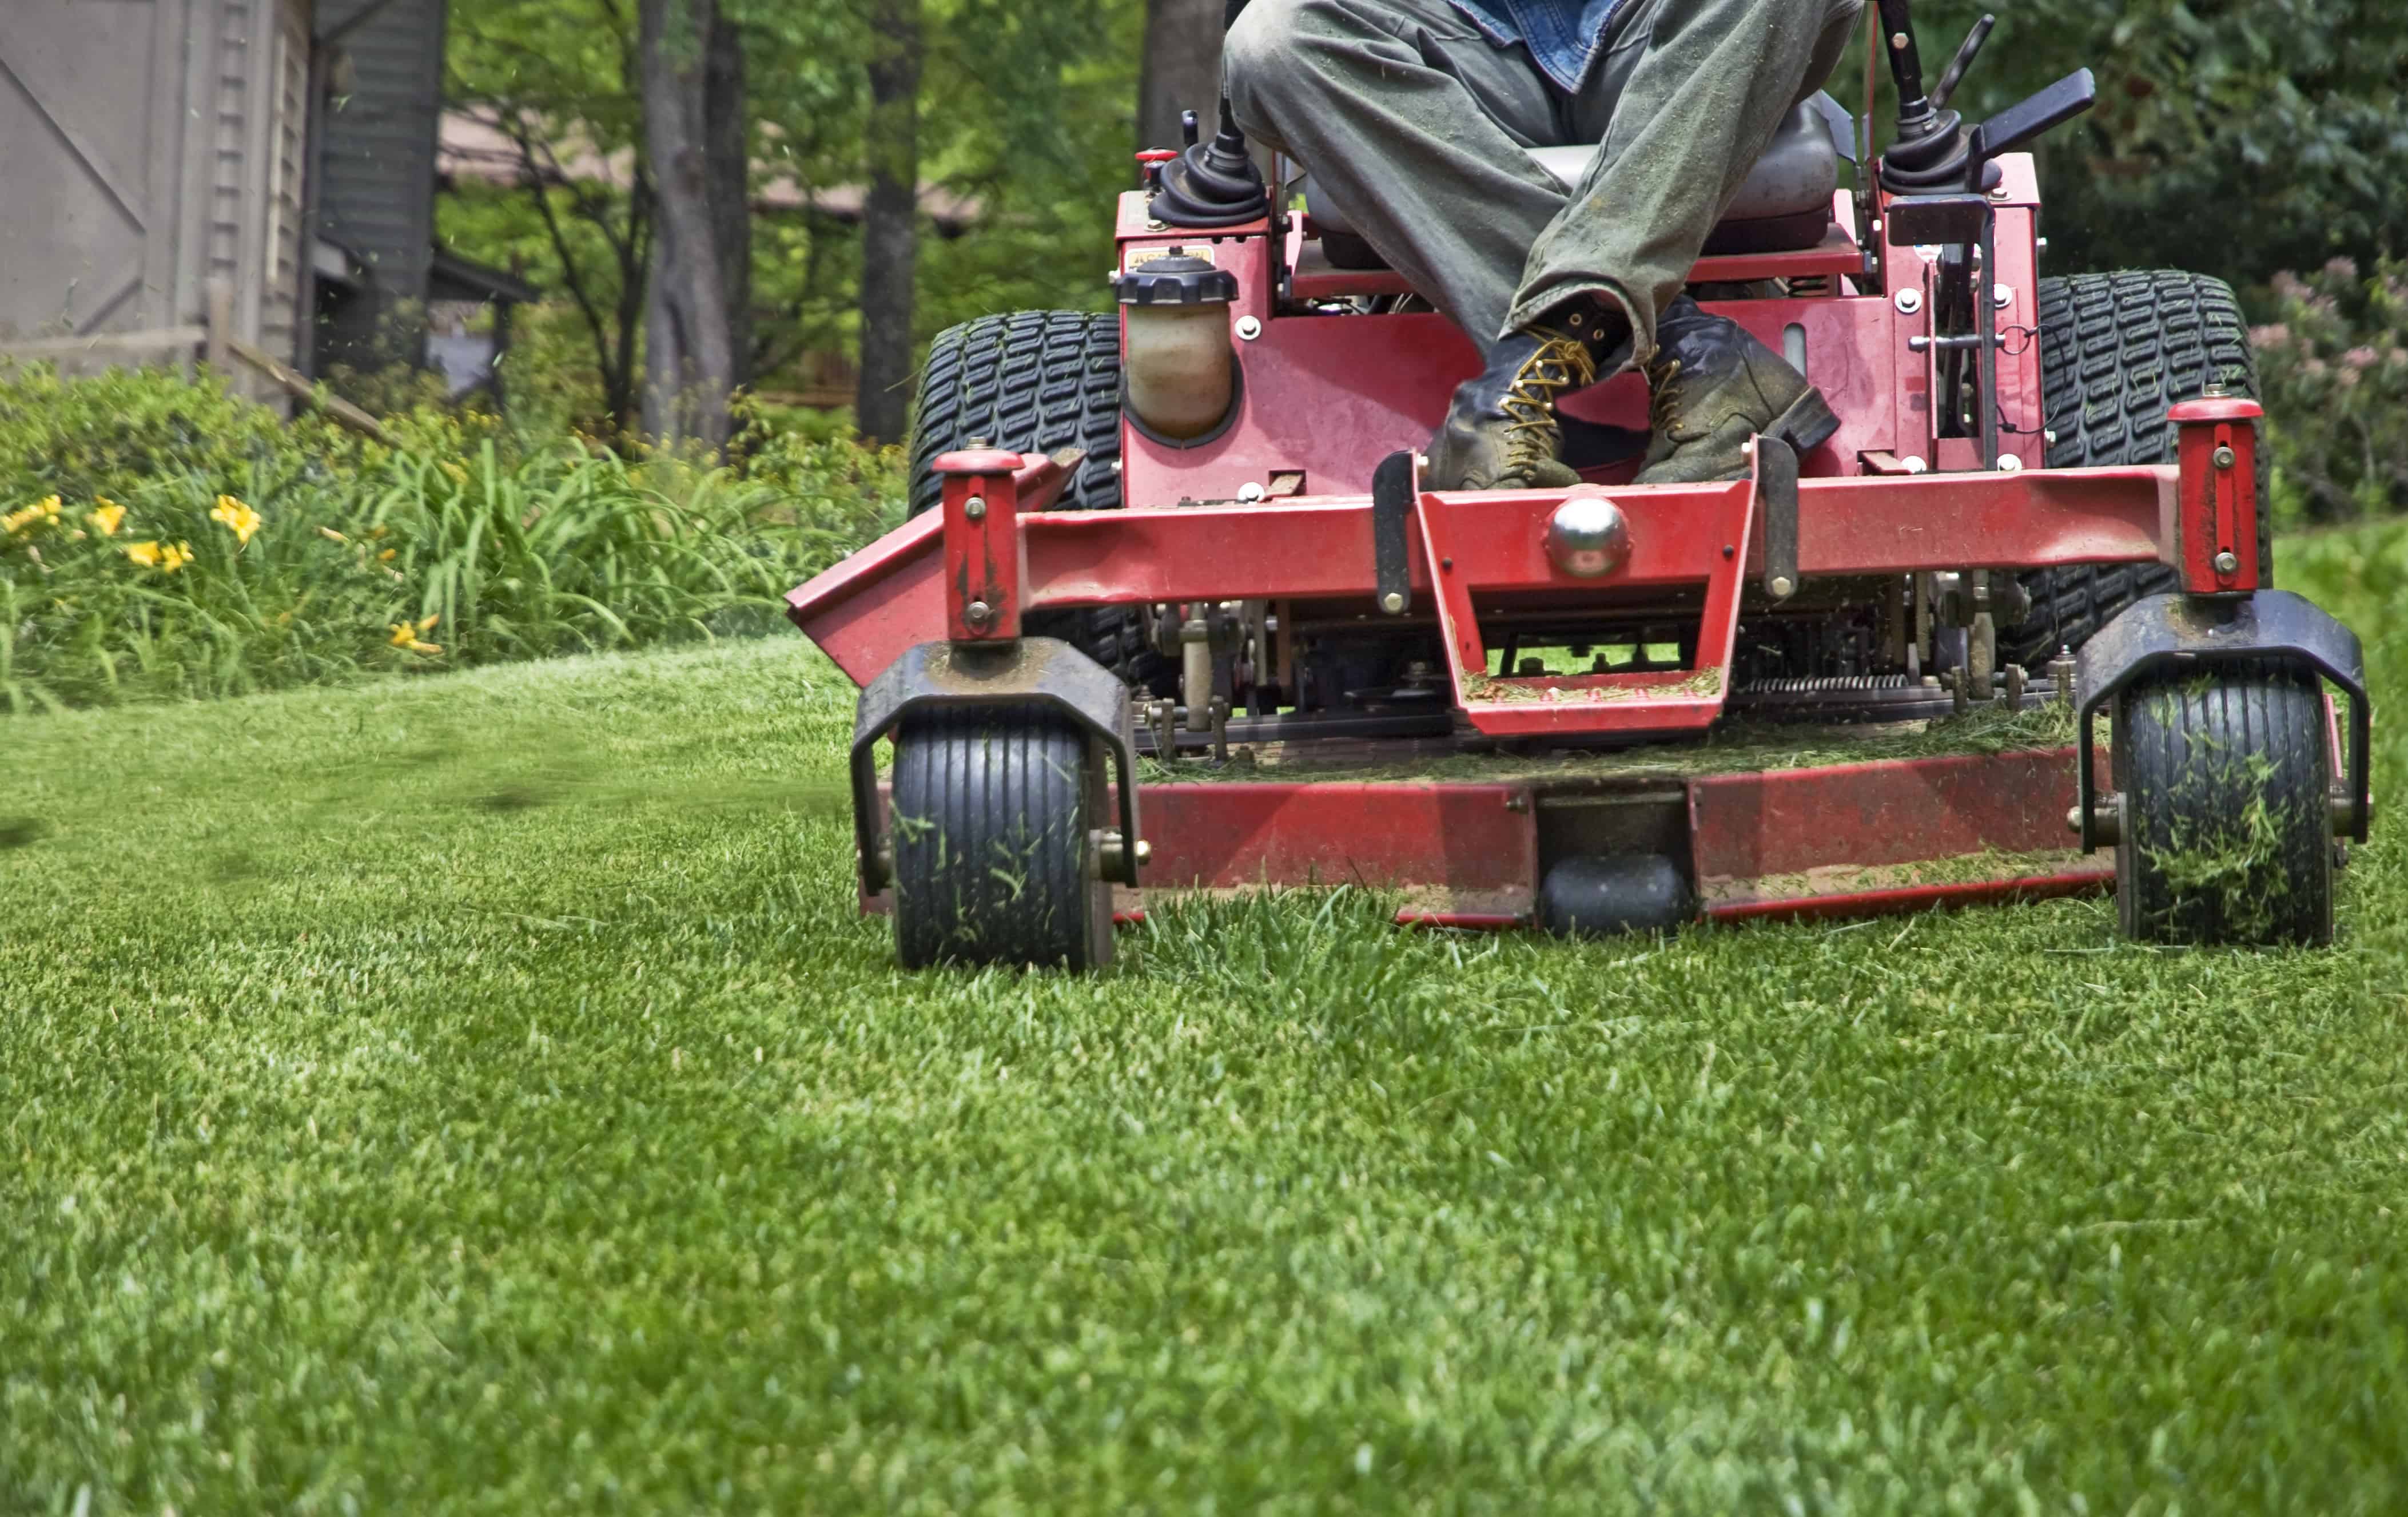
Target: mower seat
[{"x": 1784, "y": 205}]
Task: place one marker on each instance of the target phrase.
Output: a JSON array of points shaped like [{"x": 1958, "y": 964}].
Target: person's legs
[
  {"x": 1684, "y": 101},
  {"x": 1412, "y": 125}
]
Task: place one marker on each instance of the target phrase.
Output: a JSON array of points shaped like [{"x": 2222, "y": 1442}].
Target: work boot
[
  {"x": 1500, "y": 432},
  {"x": 1714, "y": 387}
]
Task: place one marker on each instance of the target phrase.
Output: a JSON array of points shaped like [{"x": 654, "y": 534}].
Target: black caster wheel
[
  {"x": 995, "y": 816},
  {"x": 2225, "y": 834}
]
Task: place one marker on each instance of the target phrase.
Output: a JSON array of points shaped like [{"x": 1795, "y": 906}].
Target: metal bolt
[
  {"x": 1447, "y": 565},
  {"x": 977, "y": 442},
  {"x": 1249, "y": 328},
  {"x": 2343, "y": 808},
  {"x": 2003, "y": 296},
  {"x": 1393, "y": 603},
  {"x": 2224, "y": 456},
  {"x": 1250, "y": 492},
  {"x": 978, "y": 614},
  {"x": 1899, "y": 40},
  {"x": 1782, "y": 586},
  {"x": 1909, "y": 302},
  {"x": 975, "y": 508},
  {"x": 2106, "y": 820},
  {"x": 2227, "y": 562},
  {"x": 1113, "y": 853}
]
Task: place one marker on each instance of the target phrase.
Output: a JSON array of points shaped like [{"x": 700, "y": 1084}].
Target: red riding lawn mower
[{"x": 1174, "y": 611}]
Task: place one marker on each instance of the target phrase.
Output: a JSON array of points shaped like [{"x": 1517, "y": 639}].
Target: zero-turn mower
[{"x": 1174, "y": 611}]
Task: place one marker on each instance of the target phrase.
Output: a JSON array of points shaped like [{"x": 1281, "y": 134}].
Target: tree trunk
[
  {"x": 727, "y": 140},
  {"x": 890, "y": 222},
  {"x": 689, "y": 370},
  {"x": 1181, "y": 69}
]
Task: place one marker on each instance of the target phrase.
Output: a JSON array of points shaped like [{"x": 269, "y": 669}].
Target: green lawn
[{"x": 479, "y": 1095}]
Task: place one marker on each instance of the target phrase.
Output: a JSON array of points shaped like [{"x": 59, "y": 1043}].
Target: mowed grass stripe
[{"x": 480, "y": 1093}]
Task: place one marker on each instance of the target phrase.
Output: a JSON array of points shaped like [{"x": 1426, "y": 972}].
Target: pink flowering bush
[{"x": 2333, "y": 367}]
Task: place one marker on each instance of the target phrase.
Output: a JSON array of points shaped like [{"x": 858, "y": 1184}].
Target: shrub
[
  {"x": 164, "y": 540},
  {"x": 2334, "y": 369}
]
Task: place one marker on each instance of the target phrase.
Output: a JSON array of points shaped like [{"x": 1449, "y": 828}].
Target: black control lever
[
  {"x": 1963, "y": 61},
  {"x": 1905, "y": 63},
  {"x": 2046, "y": 112}
]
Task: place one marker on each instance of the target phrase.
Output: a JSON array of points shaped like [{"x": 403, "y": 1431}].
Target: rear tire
[
  {"x": 2226, "y": 826},
  {"x": 993, "y": 812},
  {"x": 2117, "y": 350},
  {"x": 1039, "y": 382}
]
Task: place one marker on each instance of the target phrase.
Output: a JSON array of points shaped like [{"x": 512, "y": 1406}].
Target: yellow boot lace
[{"x": 1561, "y": 362}]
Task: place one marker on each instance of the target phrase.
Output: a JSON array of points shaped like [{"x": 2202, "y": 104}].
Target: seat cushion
[{"x": 1786, "y": 204}]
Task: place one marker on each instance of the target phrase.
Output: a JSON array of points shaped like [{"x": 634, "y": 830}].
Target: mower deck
[{"x": 1768, "y": 820}]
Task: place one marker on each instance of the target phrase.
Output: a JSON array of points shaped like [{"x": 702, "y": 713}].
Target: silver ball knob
[{"x": 1588, "y": 537}]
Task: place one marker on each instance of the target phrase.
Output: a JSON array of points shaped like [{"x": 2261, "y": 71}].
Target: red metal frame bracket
[
  {"x": 987, "y": 557},
  {"x": 2214, "y": 533},
  {"x": 1708, "y": 542}
]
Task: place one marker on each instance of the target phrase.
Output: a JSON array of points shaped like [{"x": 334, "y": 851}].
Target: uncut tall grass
[{"x": 164, "y": 540}]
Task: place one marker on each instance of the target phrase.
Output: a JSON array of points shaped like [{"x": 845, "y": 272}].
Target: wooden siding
[
  {"x": 157, "y": 146},
  {"x": 377, "y": 196}
]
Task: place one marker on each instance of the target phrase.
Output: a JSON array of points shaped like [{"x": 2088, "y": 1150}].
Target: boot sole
[{"x": 1806, "y": 424}]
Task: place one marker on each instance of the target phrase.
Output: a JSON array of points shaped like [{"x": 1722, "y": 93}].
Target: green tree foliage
[
  {"x": 1025, "y": 114},
  {"x": 559, "y": 79},
  {"x": 2236, "y": 138}
]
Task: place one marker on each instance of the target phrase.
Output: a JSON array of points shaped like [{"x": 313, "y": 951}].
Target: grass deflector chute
[{"x": 1197, "y": 532}]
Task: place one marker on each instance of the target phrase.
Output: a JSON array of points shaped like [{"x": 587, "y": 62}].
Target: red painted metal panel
[
  {"x": 983, "y": 567},
  {"x": 1904, "y": 524},
  {"x": 1791, "y": 822},
  {"x": 1706, "y": 537},
  {"x": 2215, "y": 514},
  {"x": 2089, "y": 878},
  {"x": 1469, "y": 840},
  {"x": 866, "y": 611},
  {"x": 885, "y": 597},
  {"x": 1836, "y": 254}
]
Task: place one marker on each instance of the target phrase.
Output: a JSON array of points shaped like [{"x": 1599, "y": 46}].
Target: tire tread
[{"x": 2117, "y": 350}]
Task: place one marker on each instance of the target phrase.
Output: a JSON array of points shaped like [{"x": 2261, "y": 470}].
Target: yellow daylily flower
[
  {"x": 145, "y": 554},
  {"x": 41, "y": 511},
  {"x": 239, "y": 518},
  {"x": 173, "y": 556},
  {"x": 412, "y": 635},
  {"x": 106, "y": 516}
]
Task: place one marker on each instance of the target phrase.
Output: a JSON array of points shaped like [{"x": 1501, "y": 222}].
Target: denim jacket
[{"x": 1563, "y": 35}]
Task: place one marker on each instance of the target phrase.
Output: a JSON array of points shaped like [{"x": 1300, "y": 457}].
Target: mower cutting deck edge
[{"x": 1199, "y": 530}]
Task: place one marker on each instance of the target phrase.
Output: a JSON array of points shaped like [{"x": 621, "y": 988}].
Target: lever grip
[
  {"x": 1963, "y": 61},
  {"x": 2051, "y": 108}
]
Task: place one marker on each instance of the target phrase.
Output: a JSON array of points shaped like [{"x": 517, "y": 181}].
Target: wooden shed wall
[
  {"x": 153, "y": 146},
  {"x": 377, "y": 199}
]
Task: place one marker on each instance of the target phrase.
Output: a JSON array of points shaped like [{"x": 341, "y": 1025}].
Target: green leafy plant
[
  {"x": 2334, "y": 368},
  {"x": 162, "y": 540}
]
